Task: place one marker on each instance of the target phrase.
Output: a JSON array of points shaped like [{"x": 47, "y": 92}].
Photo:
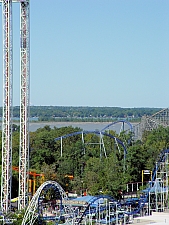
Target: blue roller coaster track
[
  {"x": 123, "y": 125},
  {"x": 94, "y": 132},
  {"x": 119, "y": 121},
  {"x": 93, "y": 200},
  {"x": 31, "y": 213},
  {"x": 142, "y": 201},
  {"x": 161, "y": 158}
]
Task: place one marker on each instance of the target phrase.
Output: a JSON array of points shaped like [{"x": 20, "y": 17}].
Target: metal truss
[
  {"x": 162, "y": 174},
  {"x": 24, "y": 104},
  {"x": 158, "y": 198},
  {"x": 162, "y": 117},
  {"x": 149, "y": 123},
  {"x": 31, "y": 212},
  {"x": 6, "y": 177}
]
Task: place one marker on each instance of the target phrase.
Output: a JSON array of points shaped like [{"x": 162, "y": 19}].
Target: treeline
[
  {"x": 92, "y": 114},
  {"x": 96, "y": 168}
]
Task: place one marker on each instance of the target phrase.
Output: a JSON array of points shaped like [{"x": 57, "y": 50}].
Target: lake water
[{"x": 86, "y": 126}]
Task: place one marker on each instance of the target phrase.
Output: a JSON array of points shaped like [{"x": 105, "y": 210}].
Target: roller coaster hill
[
  {"x": 99, "y": 209},
  {"x": 103, "y": 209}
]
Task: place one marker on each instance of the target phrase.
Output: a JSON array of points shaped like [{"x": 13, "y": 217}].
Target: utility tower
[{"x": 6, "y": 178}]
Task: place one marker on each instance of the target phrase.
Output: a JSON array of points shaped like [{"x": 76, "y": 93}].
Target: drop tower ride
[{"x": 6, "y": 177}]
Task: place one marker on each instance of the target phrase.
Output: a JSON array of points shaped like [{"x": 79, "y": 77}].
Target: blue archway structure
[{"x": 94, "y": 132}]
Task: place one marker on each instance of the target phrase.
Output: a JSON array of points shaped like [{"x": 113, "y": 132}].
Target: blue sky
[{"x": 95, "y": 53}]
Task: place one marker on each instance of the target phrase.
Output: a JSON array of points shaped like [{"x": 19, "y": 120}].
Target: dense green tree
[
  {"x": 135, "y": 162},
  {"x": 97, "y": 164}
]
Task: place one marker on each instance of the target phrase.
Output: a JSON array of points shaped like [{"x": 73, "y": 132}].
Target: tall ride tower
[
  {"x": 24, "y": 104},
  {"x": 6, "y": 177}
]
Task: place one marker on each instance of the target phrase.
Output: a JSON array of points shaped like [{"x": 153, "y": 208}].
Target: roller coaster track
[
  {"x": 94, "y": 199},
  {"x": 123, "y": 129},
  {"x": 100, "y": 133},
  {"x": 123, "y": 125},
  {"x": 149, "y": 123},
  {"x": 161, "y": 159},
  {"x": 32, "y": 214}
]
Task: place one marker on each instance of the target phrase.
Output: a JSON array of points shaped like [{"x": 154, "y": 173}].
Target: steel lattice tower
[
  {"x": 6, "y": 177},
  {"x": 24, "y": 105}
]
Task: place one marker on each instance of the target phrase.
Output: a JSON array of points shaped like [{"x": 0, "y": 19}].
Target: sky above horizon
[{"x": 112, "y": 53}]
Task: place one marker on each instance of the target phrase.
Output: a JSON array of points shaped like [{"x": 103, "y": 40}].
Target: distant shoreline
[
  {"x": 73, "y": 122},
  {"x": 87, "y": 126}
]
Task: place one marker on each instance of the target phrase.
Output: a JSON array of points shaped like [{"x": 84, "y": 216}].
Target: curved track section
[
  {"x": 93, "y": 200},
  {"x": 161, "y": 158},
  {"x": 119, "y": 121},
  {"x": 94, "y": 132},
  {"x": 124, "y": 122},
  {"x": 31, "y": 213}
]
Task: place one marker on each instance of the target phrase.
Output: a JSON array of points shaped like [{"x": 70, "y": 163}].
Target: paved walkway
[{"x": 157, "y": 218}]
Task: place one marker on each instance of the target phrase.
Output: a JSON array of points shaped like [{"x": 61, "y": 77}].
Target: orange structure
[
  {"x": 32, "y": 182},
  {"x": 69, "y": 176}
]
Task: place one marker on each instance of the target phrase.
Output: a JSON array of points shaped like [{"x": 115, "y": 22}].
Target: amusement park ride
[
  {"x": 160, "y": 174},
  {"x": 6, "y": 177}
]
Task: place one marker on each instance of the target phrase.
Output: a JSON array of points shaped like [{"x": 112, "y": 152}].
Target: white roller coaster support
[
  {"x": 102, "y": 144},
  {"x": 82, "y": 137},
  {"x": 83, "y": 143},
  {"x": 31, "y": 212},
  {"x": 61, "y": 147},
  {"x": 24, "y": 104},
  {"x": 6, "y": 177},
  {"x": 117, "y": 145},
  {"x": 122, "y": 127}
]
